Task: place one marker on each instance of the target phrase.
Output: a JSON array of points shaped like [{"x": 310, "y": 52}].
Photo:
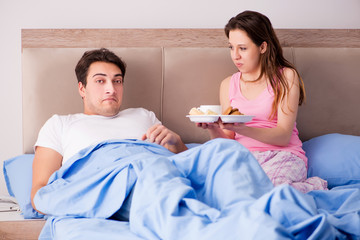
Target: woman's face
[{"x": 244, "y": 52}]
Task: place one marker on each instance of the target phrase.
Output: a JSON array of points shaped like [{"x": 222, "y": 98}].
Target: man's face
[{"x": 104, "y": 89}]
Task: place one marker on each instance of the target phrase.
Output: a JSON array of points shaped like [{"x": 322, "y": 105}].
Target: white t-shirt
[{"x": 69, "y": 134}]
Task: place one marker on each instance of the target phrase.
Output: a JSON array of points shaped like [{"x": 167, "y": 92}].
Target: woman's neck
[{"x": 252, "y": 78}]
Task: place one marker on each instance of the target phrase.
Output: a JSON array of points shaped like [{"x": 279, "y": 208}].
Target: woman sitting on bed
[{"x": 270, "y": 88}]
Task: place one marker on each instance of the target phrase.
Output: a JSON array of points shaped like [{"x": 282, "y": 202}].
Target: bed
[{"x": 172, "y": 70}]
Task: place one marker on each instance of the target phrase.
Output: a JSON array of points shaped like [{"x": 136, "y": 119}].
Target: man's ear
[
  {"x": 81, "y": 89},
  {"x": 263, "y": 47}
]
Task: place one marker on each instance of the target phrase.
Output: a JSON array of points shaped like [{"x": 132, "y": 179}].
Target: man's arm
[
  {"x": 163, "y": 136},
  {"x": 46, "y": 162}
]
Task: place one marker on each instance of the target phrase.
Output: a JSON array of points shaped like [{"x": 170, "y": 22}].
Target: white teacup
[{"x": 214, "y": 108}]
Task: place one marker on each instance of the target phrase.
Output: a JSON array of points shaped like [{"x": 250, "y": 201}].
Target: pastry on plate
[
  {"x": 232, "y": 111},
  {"x": 195, "y": 111}
]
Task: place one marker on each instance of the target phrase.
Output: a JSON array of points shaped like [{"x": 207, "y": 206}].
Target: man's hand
[{"x": 163, "y": 136}]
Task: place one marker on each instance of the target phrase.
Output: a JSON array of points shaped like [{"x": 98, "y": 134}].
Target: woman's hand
[
  {"x": 235, "y": 127},
  {"x": 208, "y": 125},
  {"x": 215, "y": 130}
]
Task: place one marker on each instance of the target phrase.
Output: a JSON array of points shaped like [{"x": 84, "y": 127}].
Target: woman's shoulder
[
  {"x": 228, "y": 79},
  {"x": 225, "y": 83},
  {"x": 288, "y": 70},
  {"x": 290, "y": 74}
]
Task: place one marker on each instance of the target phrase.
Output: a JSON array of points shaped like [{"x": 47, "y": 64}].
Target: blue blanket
[{"x": 214, "y": 191}]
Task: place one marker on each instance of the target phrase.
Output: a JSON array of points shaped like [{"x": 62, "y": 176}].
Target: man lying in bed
[{"x": 100, "y": 75}]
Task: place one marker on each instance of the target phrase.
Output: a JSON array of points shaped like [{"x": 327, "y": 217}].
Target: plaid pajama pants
[{"x": 286, "y": 168}]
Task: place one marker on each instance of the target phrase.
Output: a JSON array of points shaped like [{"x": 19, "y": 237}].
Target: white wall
[{"x": 18, "y": 14}]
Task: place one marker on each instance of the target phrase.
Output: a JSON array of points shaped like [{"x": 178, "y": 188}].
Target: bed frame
[{"x": 172, "y": 70}]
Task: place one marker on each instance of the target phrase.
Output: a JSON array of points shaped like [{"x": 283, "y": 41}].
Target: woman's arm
[
  {"x": 46, "y": 162},
  {"x": 287, "y": 112}
]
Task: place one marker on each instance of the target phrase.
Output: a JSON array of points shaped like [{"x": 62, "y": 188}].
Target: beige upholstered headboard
[{"x": 171, "y": 70}]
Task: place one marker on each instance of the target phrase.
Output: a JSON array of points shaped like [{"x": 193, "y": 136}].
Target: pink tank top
[{"x": 261, "y": 109}]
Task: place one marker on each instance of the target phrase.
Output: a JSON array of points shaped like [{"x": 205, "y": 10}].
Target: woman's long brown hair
[{"x": 259, "y": 29}]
